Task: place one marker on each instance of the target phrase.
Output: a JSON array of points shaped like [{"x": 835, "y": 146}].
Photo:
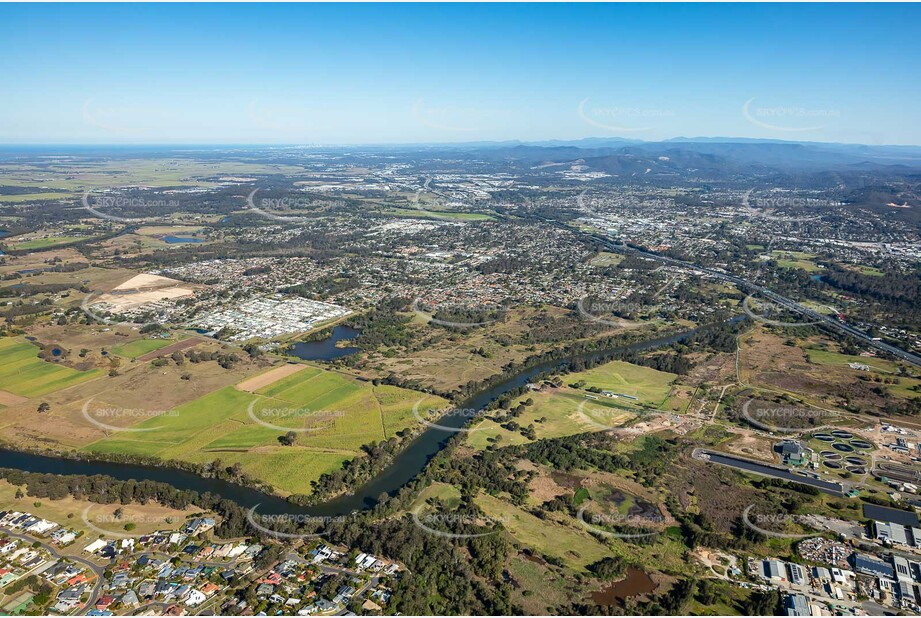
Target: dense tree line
[
  {"x": 325, "y": 286},
  {"x": 899, "y": 289},
  {"x": 358, "y": 470},
  {"x": 445, "y": 576},
  {"x": 383, "y": 325},
  {"x": 26, "y": 290}
]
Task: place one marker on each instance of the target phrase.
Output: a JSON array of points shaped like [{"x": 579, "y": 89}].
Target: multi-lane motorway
[{"x": 753, "y": 288}]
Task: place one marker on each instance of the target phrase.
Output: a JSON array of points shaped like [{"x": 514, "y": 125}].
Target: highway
[{"x": 753, "y": 288}]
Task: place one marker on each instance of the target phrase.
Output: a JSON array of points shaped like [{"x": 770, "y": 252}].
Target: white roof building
[{"x": 95, "y": 546}]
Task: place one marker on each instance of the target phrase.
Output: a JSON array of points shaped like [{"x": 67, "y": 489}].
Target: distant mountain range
[
  {"x": 725, "y": 154},
  {"x": 612, "y": 155}
]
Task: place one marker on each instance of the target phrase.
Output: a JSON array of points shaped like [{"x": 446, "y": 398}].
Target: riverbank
[{"x": 404, "y": 467}]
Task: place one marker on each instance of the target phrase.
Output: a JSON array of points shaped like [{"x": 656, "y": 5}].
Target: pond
[
  {"x": 175, "y": 240},
  {"x": 636, "y": 582},
  {"x": 406, "y": 465},
  {"x": 326, "y": 349}
]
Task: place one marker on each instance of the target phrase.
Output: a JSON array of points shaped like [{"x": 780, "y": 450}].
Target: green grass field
[
  {"x": 795, "y": 259},
  {"x": 567, "y": 411},
  {"x": 604, "y": 258},
  {"x": 28, "y": 197},
  {"x": 649, "y": 386},
  {"x": 448, "y": 495},
  {"x": 140, "y": 347},
  {"x": 905, "y": 387},
  {"x": 834, "y": 359},
  {"x": 23, "y": 373},
  {"x": 431, "y": 213},
  {"x": 867, "y": 270},
  {"x": 45, "y": 243},
  {"x": 577, "y": 548},
  {"x": 332, "y": 414}
]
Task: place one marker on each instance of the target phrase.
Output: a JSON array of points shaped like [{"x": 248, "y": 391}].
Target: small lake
[
  {"x": 326, "y": 349},
  {"x": 636, "y": 582},
  {"x": 406, "y": 465},
  {"x": 175, "y": 240}
]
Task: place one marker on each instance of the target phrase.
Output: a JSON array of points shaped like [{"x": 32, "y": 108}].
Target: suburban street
[
  {"x": 754, "y": 288},
  {"x": 97, "y": 570}
]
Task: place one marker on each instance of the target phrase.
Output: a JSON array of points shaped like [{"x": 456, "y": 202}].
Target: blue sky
[{"x": 355, "y": 73}]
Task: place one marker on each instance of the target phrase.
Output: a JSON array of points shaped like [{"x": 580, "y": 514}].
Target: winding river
[{"x": 405, "y": 466}]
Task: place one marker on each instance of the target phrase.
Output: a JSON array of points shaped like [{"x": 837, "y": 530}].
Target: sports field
[
  {"x": 332, "y": 415},
  {"x": 22, "y": 372},
  {"x": 140, "y": 347},
  {"x": 605, "y": 258},
  {"x": 795, "y": 259}
]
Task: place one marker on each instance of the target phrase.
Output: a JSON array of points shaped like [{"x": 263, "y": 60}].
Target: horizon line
[{"x": 535, "y": 143}]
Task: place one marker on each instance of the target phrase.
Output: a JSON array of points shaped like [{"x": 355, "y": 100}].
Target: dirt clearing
[
  {"x": 173, "y": 347},
  {"x": 10, "y": 399},
  {"x": 269, "y": 377}
]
